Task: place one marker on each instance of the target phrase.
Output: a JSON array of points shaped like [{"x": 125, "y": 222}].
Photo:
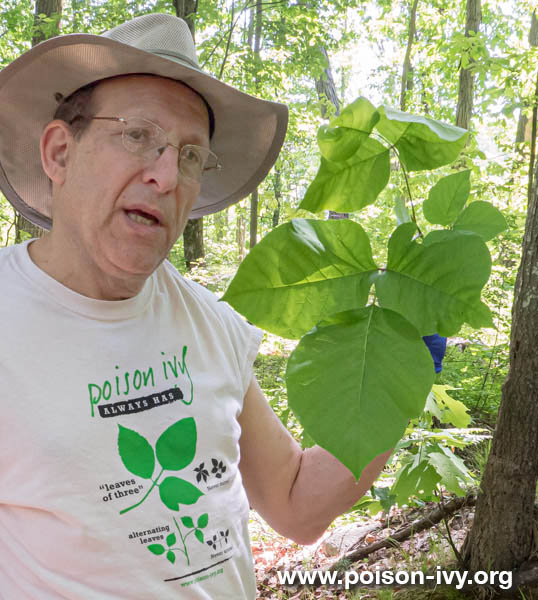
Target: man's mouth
[{"x": 139, "y": 216}]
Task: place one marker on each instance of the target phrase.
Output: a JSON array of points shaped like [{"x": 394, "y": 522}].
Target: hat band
[{"x": 174, "y": 56}]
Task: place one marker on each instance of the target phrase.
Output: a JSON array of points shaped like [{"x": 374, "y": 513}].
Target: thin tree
[
  {"x": 407, "y": 69},
  {"x": 193, "y": 236},
  {"x": 466, "y": 80},
  {"x": 254, "y": 197}
]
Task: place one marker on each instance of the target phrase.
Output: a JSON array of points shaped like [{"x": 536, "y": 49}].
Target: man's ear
[{"x": 56, "y": 141}]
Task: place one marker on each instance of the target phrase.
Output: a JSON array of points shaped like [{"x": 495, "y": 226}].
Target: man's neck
[{"x": 69, "y": 269}]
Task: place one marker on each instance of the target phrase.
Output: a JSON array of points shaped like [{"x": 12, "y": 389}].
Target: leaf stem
[
  {"x": 414, "y": 217},
  {"x": 183, "y": 542},
  {"x": 122, "y": 512}
]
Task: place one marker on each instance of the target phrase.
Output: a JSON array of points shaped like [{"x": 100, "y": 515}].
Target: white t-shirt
[{"x": 119, "y": 441}]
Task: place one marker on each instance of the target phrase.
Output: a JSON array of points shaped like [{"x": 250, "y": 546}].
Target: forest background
[{"x": 472, "y": 63}]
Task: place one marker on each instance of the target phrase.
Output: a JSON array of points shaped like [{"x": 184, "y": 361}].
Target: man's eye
[
  {"x": 192, "y": 156},
  {"x": 138, "y": 135}
]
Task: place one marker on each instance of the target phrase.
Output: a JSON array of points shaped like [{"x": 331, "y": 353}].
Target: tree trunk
[
  {"x": 466, "y": 83},
  {"x": 277, "y": 186},
  {"x": 502, "y": 534},
  {"x": 253, "y": 218},
  {"x": 240, "y": 232},
  {"x": 524, "y": 124},
  {"x": 327, "y": 95},
  {"x": 42, "y": 31},
  {"x": 254, "y": 197},
  {"x": 407, "y": 70},
  {"x": 193, "y": 236}
]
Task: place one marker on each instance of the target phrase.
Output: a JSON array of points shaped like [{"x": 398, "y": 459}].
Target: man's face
[{"x": 119, "y": 212}]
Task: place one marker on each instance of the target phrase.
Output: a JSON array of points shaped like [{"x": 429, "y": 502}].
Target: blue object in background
[{"x": 437, "y": 347}]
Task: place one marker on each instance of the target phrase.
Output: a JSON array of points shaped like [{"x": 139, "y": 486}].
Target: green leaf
[
  {"x": 339, "y": 144},
  {"x": 435, "y": 285},
  {"x": 483, "y": 219},
  {"x": 187, "y": 522},
  {"x": 360, "y": 115},
  {"x": 171, "y": 557},
  {"x": 386, "y": 499},
  {"x": 175, "y": 491},
  {"x": 202, "y": 521},
  {"x": 176, "y": 446},
  {"x": 199, "y": 535},
  {"x": 302, "y": 271},
  {"x": 350, "y": 184},
  {"x": 156, "y": 549},
  {"x": 136, "y": 453},
  {"x": 400, "y": 210},
  {"x": 415, "y": 479},
  {"x": 348, "y": 131},
  {"x": 171, "y": 539},
  {"x": 356, "y": 379},
  {"x": 449, "y": 471},
  {"x": 422, "y": 143},
  {"x": 452, "y": 411},
  {"x": 447, "y": 198}
]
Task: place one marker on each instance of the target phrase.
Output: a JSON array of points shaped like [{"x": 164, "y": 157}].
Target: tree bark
[
  {"x": 327, "y": 95},
  {"x": 407, "y": 70},
  {"x": 193, "y": 236},
  {"x": 466, "y": 81},
  {"x": 502, "y": 534}
]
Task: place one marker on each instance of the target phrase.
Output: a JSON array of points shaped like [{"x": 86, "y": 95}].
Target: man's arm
[{"x": 298, "y": 492}]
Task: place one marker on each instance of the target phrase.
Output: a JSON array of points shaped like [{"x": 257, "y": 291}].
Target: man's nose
[{"x": 163, "y": 170}]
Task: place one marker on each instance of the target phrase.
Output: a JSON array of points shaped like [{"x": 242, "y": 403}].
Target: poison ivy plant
[
  {"x": 174, "y": 450},
  {"x": 361, "y": 371}
]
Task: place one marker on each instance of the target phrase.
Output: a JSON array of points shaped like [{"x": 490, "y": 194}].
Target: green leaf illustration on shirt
[
  {"x": 156, "y": 549},
  {"x": 187, "y": 522},
  {"x": 136, "y": 453},
  {"x": 176, "y": 446},
  {"x": 175, "y": 491},
  {"x": 175, "y": 449}
]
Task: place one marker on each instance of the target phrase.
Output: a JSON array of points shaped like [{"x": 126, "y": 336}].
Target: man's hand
[{"x": 298, "y": 492}]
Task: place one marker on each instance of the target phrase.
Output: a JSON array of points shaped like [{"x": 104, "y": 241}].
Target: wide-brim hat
[{"x": 248, "y": 135}]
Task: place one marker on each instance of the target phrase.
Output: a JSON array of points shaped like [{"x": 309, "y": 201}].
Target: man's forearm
[{"x": 324, "y": 489}]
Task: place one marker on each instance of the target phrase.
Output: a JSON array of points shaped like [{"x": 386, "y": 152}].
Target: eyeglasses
[{"x": 142, "y": 137}]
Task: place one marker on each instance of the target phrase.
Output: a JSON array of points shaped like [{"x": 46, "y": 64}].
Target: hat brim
[{"x": 249, "y": 132}]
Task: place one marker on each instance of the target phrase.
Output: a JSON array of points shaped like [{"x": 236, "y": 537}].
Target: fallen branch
[{"x": 437, "y": 515}]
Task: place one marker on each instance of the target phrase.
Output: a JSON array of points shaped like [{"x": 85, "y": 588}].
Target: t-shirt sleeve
[{"x": 245, "y": 339}]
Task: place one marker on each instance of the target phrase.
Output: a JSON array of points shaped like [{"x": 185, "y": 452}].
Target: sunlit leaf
[
  {"x": 356, "y": 379},
  {"x": 301, "y": 272},
  {"x": 422, "y": 142},
  {"x": 351, "y": 184},
  {"x": 452, "y": 411},
  {"x": 434, "y": 284}
]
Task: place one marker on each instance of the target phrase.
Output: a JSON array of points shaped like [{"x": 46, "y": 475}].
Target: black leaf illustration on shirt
[{"x": 218, "y": 468}]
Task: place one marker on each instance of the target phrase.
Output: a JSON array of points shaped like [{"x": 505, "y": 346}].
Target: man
[{"x": 134, "y": 436}]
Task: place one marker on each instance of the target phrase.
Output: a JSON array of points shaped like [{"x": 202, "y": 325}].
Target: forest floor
[{"x": 424, "y": 552}]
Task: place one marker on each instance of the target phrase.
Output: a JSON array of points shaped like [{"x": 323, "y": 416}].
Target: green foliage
[
  {"x": 430, "y": 285},
  {"x": 337, "y": 376}
]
